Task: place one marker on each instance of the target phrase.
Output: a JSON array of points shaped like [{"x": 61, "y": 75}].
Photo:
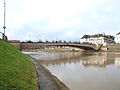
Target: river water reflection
[{"x": 84, "y": 70}]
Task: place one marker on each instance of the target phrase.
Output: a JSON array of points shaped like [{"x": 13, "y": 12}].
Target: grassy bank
[
  {"x": 114, "y": 47},
  {"x": 16, "y": 70}
]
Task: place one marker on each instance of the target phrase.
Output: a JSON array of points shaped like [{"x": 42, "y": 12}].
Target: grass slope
[{"x": 16, "y": 69}]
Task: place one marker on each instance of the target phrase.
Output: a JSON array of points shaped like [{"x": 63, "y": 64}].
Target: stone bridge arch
[{"x": 42, "y": 45}]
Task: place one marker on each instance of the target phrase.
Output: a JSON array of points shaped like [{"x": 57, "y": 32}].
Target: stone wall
[{"x": 15, "y": 43}]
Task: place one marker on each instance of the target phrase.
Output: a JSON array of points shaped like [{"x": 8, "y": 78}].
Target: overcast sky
[{"x": 59, "y": 19}]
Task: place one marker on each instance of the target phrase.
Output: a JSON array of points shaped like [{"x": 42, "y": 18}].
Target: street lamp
[{"x": 4, "y": 27}]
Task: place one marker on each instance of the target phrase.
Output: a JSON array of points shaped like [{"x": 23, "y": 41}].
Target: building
[
  {"x": 1, "y": 35},
  {"x": 97, "y": 39},
  {"x": 117, "y": 38}
]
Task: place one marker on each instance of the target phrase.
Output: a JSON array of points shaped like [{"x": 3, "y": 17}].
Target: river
[{"x": 83, "y": 70}]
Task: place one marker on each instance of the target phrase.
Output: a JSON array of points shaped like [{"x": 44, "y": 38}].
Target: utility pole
[
  {"x": 29, "y": 36},
  {"x": 4, "y": 27}
]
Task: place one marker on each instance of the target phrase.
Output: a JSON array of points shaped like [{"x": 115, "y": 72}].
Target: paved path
[{"x": 45, "y": 82}]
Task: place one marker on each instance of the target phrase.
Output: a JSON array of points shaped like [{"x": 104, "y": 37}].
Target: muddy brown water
[{"x": 83, "y": 70}]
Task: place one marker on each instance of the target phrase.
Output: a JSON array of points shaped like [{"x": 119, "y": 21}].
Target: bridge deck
[{"x": 42, "y": 45}]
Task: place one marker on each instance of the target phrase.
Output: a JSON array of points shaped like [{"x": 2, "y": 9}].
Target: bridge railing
[{"x": 3, "y": 37}]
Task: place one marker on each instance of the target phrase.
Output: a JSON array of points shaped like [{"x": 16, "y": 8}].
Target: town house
[
  {"x": 97, "y": 39},
  {"x": 117, "y": 38}
]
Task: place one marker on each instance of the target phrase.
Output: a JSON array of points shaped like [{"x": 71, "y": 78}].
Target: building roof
[
  {"x": 86, "y": 36},
  {"x": 118, "y": 33},
  {"x": 97, "y": 35}
]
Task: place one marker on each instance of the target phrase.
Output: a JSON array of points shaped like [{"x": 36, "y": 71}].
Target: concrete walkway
[{"x": 45, "y": 81}]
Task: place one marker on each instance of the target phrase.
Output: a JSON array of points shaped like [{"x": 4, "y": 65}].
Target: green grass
[
  {"x": 113, "y": 47},
  {"x": 16, "y": 69}
]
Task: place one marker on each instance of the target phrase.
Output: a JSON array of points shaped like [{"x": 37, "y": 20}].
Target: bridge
[{"x": 29, "y": 46}]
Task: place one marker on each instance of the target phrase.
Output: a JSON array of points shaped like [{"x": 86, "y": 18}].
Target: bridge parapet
[
  {"x": 42, "y": 45},
  {"x": 39, "y": 45},
  {"x": 27, "y": 46}
]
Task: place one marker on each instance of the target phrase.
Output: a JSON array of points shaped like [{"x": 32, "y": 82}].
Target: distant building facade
[
  {"x": 117, "y": 38},
  {"x": 1, "y": 35},
  {"x": 97, "y": 39}
]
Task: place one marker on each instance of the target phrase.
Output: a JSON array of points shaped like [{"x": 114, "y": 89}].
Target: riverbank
[
  {"x": 113, "y": 47},
  {"x": 46, "y": 81},
  {"x": 16, "y": 69}
]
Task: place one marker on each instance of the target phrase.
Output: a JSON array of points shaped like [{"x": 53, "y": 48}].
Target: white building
[
  {"x": 97, "y": 39},
  {"x": 117, "y": 38},
  {"x": 1, "y": 36}
]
